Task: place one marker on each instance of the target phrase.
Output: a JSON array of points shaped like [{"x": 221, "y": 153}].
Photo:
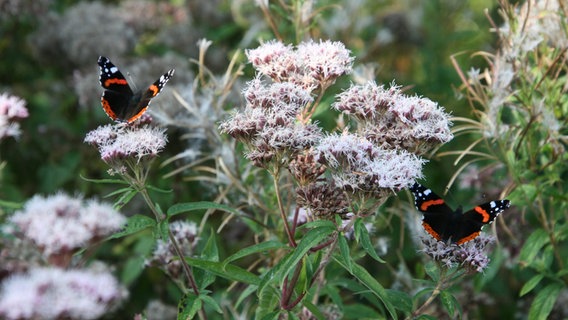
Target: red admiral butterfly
[
  {"x": 119, "y": 101},
  {"x": 445, "y": 224}
]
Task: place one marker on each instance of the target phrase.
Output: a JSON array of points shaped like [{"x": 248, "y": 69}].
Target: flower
[
  {"x": 393, "y": 120},
  {"x": 324, "y": 200},
  {"x": 165, "y": 256},
  {"x": 120, "y": 142},
  {"x": 469, "y": 255},
  {"x": 73, "y": 222},
  {"x": 311, "y": 65},
  {"x": 358, "y": 165},
  {"x": 53, "y": 293},
  {"x": 12, "y": 109},
  {"x": 268, "y": 125}
]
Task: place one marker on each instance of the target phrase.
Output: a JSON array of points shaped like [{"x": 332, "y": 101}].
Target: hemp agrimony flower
[
  {"x": 470, "y": 255},
  {"x": 125, "y": 146},
  {"x": 53, "y": 293},
  {"x": 73, "y": 222},
  {"x": 391, "y": 119},
  {"x": 12, "y": 109}
]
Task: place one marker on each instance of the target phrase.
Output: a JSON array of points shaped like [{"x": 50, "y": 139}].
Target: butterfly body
[
  {"x": 454, "y": 226},
  {"x": 118, "y": 100}
]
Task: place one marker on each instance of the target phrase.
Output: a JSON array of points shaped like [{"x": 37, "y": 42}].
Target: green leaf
[
  {"x": 11, "y": 205},
  {"x": 310, "y": 239},
  {"x": 362, "y": 236},
  {"x": 125, "y": 198},
  {"x": 211, "y": 303},
  {"x": 159, "y": 190},
  {"x": 313, "y": 309},
  {"x": 400, "y": 300},
  {"x": 370, "y": 282},
  {"x": 344, "y": 251},
  {"x": 432, "y": 271},
  {"x": 134, "y": 224},
  {"x": 268, "y": 300},
  {"x": 533, "y": 246},
  {"x": 107, "y": 181},
  {"x": 209, "y": 253},
  {"x": 449, "y": 302},
  {"x": 250, "y": 289},
  {"x": 228, "y": 271},
  {"x": 132, "y": 269},
  {"x": 162, "y": 230},
  {"x": 544, "y": 301},
  {"x": 188, "y": 306},
  {"x": 257, "y": 248},
  {"x": 533, "y": 282},
  {"x": 201, "y": 205}
]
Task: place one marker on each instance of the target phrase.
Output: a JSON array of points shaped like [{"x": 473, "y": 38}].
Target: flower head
[
  {"x": 12, "y": 109},
  {"x": 393, "y": 120},
  {"x": 311, "y": 65},
  {"x": 469, "y": 255},
  {"x": 119, "y": 143},
  {"x": 165, "y": 256},
  {"x": 358, "y": 165},
  {"x": 73, "y": 223},
  {"x": 52, "y": 293}
]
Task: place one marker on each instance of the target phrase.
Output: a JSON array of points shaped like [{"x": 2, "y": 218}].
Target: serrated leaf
[
  {"x": 533, "y": 282},
  {"x": 134, "y": 224},
  {"x": 310, "y": 239},
  {"x": 125, "y": 199},
  {"x": 268, "y": 300},
  {"x": 209, "y": 253},
  {"x": 544, "y": 301},
  {"x": 533, "y": 246},
  {"x": 371, "y": 283},
  {"x": 230, "y": 272},
  {"x": 449, "y": 302},
  {"x": 200, "y": 205},
  {"x": 362, "y": 236},
  {"x": 257, "y": 248},
  {"x": 162, "y": 230},
  {"x": 400, "y": 300},
  {"x": 211, "y": 303},
  {"x": 313, "y": 309},
  {"x": 344, "y": 251},
  {"x": 188, "y": 306}
]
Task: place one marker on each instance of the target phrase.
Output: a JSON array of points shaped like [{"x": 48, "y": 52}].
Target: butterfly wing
[
  {"x": 117, "y": 95},
  {"x": 143, "y": 100},
  {"x": 474, "y": 219},
  {"x": 437, "y": 214}
]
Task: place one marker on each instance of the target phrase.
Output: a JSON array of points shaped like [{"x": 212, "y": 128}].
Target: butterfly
[
  {"x": 118, "y": 100},
  {"x": 447, "y": 225}
]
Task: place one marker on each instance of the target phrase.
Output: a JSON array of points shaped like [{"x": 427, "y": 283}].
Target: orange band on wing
[
  {"x": 109, "y": 82},
  {"x": 468, "y": 238},
  {"x": 424, "y": 206},
  {"x": 483, "y": 213},
  {"x": 108, "y": 110},
  {"x": 155, "y": 90},
  {"x": 136, "y": 116},
  {"x": 431, "y": 231}
]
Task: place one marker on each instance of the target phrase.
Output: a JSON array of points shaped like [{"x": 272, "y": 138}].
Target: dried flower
[
  {"x": 469, "y": 255},
  {"x": 12, "y": 109},
  {"x": 165, "y": 256},
  {"x": 73, "y": 223},
  {"x": 52, "y": 293},
  {"x": 305, "y": 169},
  {"x": 322, "y": 199}
]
